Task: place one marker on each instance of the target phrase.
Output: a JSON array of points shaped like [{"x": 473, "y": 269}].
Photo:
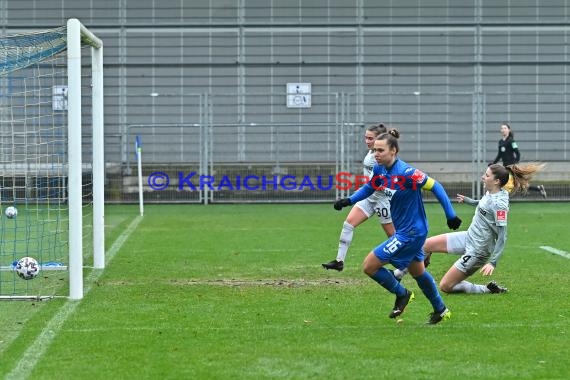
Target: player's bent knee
[
  {"x": 445, "y": 287},
  {"x": 368, "y": 270},
  {"x": 371, "y": 264}
]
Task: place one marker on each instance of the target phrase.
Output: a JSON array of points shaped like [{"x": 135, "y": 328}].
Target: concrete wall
[{"x": 374, "y": 57}]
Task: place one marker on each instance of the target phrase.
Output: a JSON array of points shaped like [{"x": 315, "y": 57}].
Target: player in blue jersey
[
  {"x": 403, "y": 250},
  {"x": 377, "y": 204}
]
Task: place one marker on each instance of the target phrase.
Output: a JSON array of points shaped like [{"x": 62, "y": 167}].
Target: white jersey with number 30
[
  {"x": 368, "y": 166},
  {"x": 377, "y": 203}
]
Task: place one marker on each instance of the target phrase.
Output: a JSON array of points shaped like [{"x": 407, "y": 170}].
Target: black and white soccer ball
[
  {"x": 27, "y": 268},
  {"x": 11, "y": 212}
]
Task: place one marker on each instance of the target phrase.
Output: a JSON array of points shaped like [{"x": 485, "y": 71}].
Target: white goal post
[{"x": 76, "y": 34}]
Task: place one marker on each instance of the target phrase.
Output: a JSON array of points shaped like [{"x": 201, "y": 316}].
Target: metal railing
[{"x": 453, "y": 134}]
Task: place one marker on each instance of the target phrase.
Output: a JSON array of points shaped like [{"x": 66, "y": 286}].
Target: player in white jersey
[
  {"x": 378, "y": 203},
  {"x": 483, "y": 243}
]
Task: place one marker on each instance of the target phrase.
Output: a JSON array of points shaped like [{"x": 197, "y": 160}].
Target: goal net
[{"x": 51, "y": 160}]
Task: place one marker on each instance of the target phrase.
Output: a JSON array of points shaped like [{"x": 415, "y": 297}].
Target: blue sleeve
[
  {"x": 362, "y": 193},
  {"x": 367, "y": 190},
  {"x": 443, "y": 199}
]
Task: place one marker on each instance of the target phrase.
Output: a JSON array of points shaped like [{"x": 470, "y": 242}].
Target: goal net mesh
[{"x": 34, "y": 162}]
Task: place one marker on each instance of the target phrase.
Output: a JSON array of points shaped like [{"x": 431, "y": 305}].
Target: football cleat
[
  {"x": 438, "y": 316},
  {"x": 401, "y": 303},
  {"x": 496, "y": 288},
  {"x": 336, "y": 265},
  {"x": 542, "y": 191}
]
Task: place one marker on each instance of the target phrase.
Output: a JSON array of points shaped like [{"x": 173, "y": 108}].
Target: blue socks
[
  {"x": 426, "y": 283},
  {"x": 387, "y": 280},
  {"x": 428, "y": 286}
]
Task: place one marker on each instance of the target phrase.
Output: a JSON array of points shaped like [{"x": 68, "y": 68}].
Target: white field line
[
  {"x": 35, "y": 351},
  {"x": 555, "y": 251},
  {"x": 420, "y": 324}
]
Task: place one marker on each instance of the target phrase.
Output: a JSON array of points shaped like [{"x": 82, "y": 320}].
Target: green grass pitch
[{"x": 237, "y": 292}]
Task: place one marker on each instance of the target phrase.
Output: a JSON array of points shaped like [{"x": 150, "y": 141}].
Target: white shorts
[
  {"x": 381, "y": 207},
  {"x": 469, "y": 262},
  {"x": 456, "y": 242}
]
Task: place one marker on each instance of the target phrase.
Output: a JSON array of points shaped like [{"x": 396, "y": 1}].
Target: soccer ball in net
[
  {"x": 27, "y": 268},
  {"x": 11, "y": 212}
]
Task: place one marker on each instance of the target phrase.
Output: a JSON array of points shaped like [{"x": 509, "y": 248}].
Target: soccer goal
[{"x": 51, "y": 160}]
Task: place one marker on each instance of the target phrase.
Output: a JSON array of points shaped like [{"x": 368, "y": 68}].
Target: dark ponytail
[{"x": 391, "y": 138}]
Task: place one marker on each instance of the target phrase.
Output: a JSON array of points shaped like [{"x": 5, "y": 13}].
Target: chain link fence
[{"x": 261, "y": 151}]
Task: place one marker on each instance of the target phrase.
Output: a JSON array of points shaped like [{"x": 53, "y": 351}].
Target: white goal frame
[{"x": 76, "y": 34}]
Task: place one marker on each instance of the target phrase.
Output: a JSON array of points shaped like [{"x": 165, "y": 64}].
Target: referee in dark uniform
[
  {"x": 509, "y": 153},
  {"x": 508, "y": 149}
]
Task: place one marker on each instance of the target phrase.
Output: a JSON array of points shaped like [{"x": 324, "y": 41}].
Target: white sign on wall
[
  {"x": 59, "y": 98},
  {"x": 298, "y": 95}
]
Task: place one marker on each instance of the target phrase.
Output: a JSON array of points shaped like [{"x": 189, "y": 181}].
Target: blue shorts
[{"x": 400, "y": 250}]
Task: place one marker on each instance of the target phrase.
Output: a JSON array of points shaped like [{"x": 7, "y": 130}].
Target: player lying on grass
[{"x": 483, "y": 243}]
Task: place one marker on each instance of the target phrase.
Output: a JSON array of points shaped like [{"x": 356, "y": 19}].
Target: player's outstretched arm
[
  {"x": 470, "y": 201},
  {"x": 362, "y": 193},
  {"x": 453, "y": 221},
  {"x": 499, "y": 245}
]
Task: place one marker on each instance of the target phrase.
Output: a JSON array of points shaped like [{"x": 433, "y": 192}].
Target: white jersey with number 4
[{"x": 491, "y": 213}]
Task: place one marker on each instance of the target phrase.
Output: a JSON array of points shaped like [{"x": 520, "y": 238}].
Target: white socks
[
  {"x": 400, "y": 273},
  {"x": 345, "y": 240},
  {"x": 467, "y": 287}
]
